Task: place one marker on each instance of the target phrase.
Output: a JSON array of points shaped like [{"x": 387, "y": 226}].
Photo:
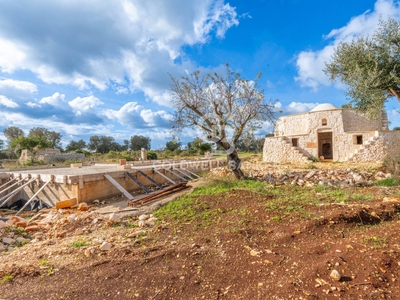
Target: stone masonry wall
[{"x": 277, "y": 150}]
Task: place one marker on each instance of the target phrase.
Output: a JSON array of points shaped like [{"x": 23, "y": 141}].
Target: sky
[{"x": 85, "y": 68}]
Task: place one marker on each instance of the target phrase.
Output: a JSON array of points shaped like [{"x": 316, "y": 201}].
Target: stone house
[
  {"x": 49, "y": 155},
  {"x": 330, "y": 133}
]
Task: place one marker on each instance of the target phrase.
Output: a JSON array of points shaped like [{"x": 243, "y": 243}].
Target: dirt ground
[{"x": 235, "y": 245}]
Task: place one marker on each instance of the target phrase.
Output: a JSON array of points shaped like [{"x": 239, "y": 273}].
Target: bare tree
[{"x": 223, "y": 106}]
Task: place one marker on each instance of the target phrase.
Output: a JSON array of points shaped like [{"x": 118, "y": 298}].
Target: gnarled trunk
[{"x": 233, "y": 160}]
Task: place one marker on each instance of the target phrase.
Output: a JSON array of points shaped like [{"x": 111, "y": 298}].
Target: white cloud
[
  {"x": 123, "y": 41},
  {"x": 128, "y": 114},
  {"x": 311, "y": 63},
  {"x": 33, "y": 104},
  {"x": 83, "y": 105},
  {"x": 56, "y": 99},
  {"x": 298, "y": 107},
  {"x": 7, "y": 102},
  {"x": 17, "y": 89},
  {"x": 156, "y": 119}
]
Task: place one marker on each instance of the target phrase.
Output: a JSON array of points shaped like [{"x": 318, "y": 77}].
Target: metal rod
[
  {"x": 172, "y": 172},
  {"x": 15, "y": 191},
  {"x": 118, "y": 186},
  {"x": 137, "y": 182},
  {"x": 8, "y": 182},
  {"x": 12, "y": 185},
  {"x": 29, "y": 201},
  {"x": 165, "y": 177},
  {"x": 191, "y": 173},
  {"x": 149, "y": 179},
  {"x": 184, "y": 174}
]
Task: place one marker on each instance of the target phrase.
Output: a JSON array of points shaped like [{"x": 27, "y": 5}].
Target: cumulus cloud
[
  {"x": 84, "y": 105},
  {"x": 17, "y": 89},
  {"x": 56, "y": 99},
  {"x": 311, "y": 63},
  {"x": 298, "y": 107},
  {"x": 126, "y": 42},
  {"x": 7, "y": 102},
  {"x": 156, "y": 119}
]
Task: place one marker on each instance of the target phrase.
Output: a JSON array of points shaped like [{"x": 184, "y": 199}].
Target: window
[
  {"x": 324, "y": 122},
  {"x": 295, "y": 142},
  {"x": 358, "y": 139}
]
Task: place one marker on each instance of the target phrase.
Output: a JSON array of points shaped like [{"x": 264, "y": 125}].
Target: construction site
[{"x": 65, "y": 187}]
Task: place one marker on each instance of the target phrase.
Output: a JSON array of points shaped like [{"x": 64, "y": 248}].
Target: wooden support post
[
  {"x": 172, "y": 172},
  {"x": 165, "y": 177}
]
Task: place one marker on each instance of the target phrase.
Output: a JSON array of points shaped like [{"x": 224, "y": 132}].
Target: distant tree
[
  {"x": 246, "y": 142},
  {"x": 1, "y": 145},
  {"x": 53, "y": 137},
  {"x": 370, "y": 67},
  {"x": 74, "y": 146},
  {"x": 103, "y": 144},
  {"x": 11, "y": 133},
  {"x": 199, "y": 145},
  {"x": 173, "y": 145},
  {"x": 32, "y": 144},
  {"x": 220, "y": 105},
  {"x": 396, "y": 128},
  {"x": 125, "y": 146},
  {"x": 259, "y": 144},
  {"x": 139, "y": 141}
]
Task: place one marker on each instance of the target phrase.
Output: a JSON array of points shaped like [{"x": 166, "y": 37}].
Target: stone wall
[
  {"x": 49, "y": 156},
  {"x": 385, "y": 144},
  {"x": 278, "y": 150},
  {"x": 356, "y": 121}
]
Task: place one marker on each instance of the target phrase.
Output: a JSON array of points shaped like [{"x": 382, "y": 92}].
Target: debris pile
[
  {"x": 52, "y": 224},
  {"x": 343, "y": 178}
]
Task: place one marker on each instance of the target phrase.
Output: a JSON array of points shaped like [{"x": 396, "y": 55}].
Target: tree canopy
[
  {"x": 54, "y": 138},
  {"x": 370, "y": 67},
  {"x": 223, "y": 106},
  {"x": 103, "y": 144},
  {"x": 75, "y": 145},
  {"x": 139, "y": 141}
]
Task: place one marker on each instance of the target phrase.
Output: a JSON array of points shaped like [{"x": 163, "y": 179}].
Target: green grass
[
  {"x": 79, "y": 244},
  {"x": 392, "y": 181},
  {"x": 376, "y": 242},
  {"x": 7, "y": 278}
]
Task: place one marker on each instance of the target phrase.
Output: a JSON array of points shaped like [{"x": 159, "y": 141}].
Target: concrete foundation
[{"x": 89, "y": 183}]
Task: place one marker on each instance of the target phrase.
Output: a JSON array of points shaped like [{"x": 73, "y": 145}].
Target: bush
[{"x": 151, "y": 155}]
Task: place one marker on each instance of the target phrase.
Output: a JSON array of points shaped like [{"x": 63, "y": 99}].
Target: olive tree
[
  {"x": 223, "y": 106},
  {"x": 370, "y": 67}
]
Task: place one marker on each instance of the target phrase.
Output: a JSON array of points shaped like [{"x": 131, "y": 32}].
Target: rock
[
  {"x": 37, "y": 235},
  {"x": 83, "y": 206},
  {"x": 8, "y": 241},
  {"x": 32, "y": 228},
  {"x": 22, "y": 240},
  {"x": 335, "y": 275},
  {"x": 14, "y": 220},
  {"x": 71, "y": 218},
  {"x": 143, "y": 217},
  {"x": 105, "y": 246},
  {"x": 141, "y": 223},
  {"x": 78, "y": 231},
  {"x": 96, "y": 201},
  {"x": 2, "y": 247},
  {"x": 3, "y": 224},
  {"x": 114, "y": 218}
]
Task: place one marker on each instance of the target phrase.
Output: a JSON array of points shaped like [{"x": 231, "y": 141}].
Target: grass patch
[
  {"x": 78, "y": 244},
  {"x": 391, "y": 181},
  {"x": 376, "y": 242},
  {"x": 7, "y": 278}
]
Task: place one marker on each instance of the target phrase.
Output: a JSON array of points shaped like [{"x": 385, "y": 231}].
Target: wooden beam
[
  {"x": 162, "y": 175},
  {"x": 29, "y": 201}
]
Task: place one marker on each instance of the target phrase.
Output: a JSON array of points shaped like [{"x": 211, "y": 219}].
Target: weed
[
  {"x": 377, "y": 242},
  {"x": 43, "y": 262},
  {"x": 7, "y": 278},
  {"x": 311, "y": 166},
  {"x": 79, "y": 244},
  {"x": 276, "y": 218}
]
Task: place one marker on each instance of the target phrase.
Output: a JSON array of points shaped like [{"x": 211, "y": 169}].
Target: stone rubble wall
[
  {"x": 277, "y": 150},
  {"x": 49, "y": 158},
  {"x": 386, "y": 144}
]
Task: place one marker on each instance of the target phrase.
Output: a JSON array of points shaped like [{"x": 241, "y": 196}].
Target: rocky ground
[{"x": 323, "y": 233}]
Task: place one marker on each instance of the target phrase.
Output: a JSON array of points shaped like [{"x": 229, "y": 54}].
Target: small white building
[{"x": 331, "y": 133}]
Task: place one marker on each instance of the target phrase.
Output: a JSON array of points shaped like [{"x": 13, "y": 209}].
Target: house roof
[{"x": 324, "y": 106}]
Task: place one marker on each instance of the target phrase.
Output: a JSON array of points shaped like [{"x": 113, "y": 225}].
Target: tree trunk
[{"x": 234, "y": 164}]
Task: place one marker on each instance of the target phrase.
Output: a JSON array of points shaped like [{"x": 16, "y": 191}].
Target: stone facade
[
  {"x": 331, "y": 133},
  {"x": 49, "y": 155}
]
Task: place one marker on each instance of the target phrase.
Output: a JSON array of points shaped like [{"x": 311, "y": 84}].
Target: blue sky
[{"x": 87, "y": 68}]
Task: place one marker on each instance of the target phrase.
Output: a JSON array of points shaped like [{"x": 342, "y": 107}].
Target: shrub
[
  {"x": 151, "y": 155},
  {"x": 392, "y": 164}
]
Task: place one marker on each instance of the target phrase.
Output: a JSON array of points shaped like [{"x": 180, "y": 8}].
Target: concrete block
[{"x": 76, "y": 166}]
